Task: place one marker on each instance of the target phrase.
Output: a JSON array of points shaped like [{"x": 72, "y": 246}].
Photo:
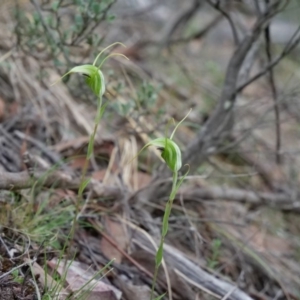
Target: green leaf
[
  {"x": 83, "y": 186},
  {"x": 96, "y": 8},
  {"x": 78, "y": 21},
  {"x": 100, "y": 113},
  {"x": 55, "y": 5},
  {"x": 110, "y": 17},
  {"x": 159, "y": 255},
  {"x": 160, "y": 297},
  {"x": 165, "y": 225},
  {"x": 181, "y": 180},
  {"x": 90, "y": 146}
]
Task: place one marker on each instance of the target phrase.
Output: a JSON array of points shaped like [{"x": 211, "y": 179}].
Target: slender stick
[{"x": 274, "y": 92}]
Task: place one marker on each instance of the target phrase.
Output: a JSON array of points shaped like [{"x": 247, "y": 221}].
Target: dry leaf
[
  {"x": 143, "y": 179},
  {"x": 116, "y": 231},
  {"x": 263, "y": 241},
  {"x": 99, "y": 175},
  {"x": 73, "y": 144},
  {"x": 78, "y": 162},
  {"x": 134, "y": 292}
]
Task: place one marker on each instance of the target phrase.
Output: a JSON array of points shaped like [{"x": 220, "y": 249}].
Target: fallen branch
[
  {"x": 54, "y": 179},
  {"x": 188, "y": 269},
  {"x": 283, "y": 201}
]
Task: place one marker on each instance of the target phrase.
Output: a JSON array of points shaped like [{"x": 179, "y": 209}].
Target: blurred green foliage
[{"x": 55, "y": 27}]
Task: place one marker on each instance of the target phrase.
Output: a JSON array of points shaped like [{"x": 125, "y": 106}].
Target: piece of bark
[{"x": 81, "y": 281}]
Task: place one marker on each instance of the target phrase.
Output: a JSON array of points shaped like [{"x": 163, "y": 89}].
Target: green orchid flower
[
  {"x": 171, "y": 153},
  {"x": 94, "y": 76}
]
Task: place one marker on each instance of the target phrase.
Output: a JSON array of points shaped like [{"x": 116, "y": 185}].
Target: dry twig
[
  {"x": 279, "y": 200},
  {"x": 50, "y": 179}
]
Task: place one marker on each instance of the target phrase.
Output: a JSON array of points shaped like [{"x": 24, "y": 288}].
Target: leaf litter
[{"x": 253, "y": 259}]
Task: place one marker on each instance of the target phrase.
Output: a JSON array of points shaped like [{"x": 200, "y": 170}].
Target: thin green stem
[
  {"x": 174, "y": 186},
  {"x": 97, "y": 121},
  {"x": 159, "y": 254},
  {"x": 154, "y": 282},
  {"x": 85, "y": 167}
]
